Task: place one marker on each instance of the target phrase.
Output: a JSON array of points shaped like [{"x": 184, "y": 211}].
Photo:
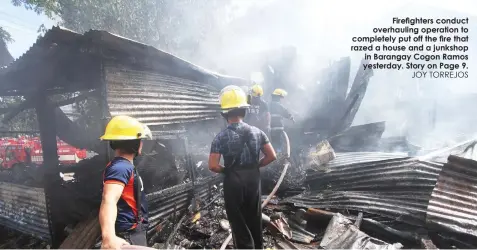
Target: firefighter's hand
[{"x": 113, "y": 243}]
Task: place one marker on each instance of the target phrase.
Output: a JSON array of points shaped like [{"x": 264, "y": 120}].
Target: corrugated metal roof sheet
[
  {"x": 24, "y": 209},
  {"x": 157, "y": 99},
  {"x": 453, "y": 204},
  {"x": 77, "y": 58},
  {"x": 407, "y": 206},
  {"x": 387, "y": 174},
  {"x": 376, "y": 183},
  {"x": 343, "y": 159}
]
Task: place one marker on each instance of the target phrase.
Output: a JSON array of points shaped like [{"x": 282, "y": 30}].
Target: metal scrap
[
  {"x": 342, "y": 234},
  {"x": 278, "y": 225},
  {"x": 453, "y": 203}
]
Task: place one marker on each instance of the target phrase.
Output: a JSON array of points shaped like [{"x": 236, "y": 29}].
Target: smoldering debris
[
  {"x": 404, "y": 200},
  {"x": 207, "y": 228},
  {"x": 380, "y": 200},
  {"x": 357, "y": 211}
]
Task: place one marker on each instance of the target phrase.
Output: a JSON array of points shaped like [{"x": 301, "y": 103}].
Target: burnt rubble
[
  {"x": 340, "y": 213},
  {"x": 382, "y": 201},
  {"x": 387, "y": 201},
  {"x": 362, "y": 199}
]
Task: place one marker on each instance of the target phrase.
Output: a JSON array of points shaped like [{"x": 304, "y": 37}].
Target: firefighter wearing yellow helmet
[
  {"x": 240, "y": 145},
  {"x": 278, "y": 112},
  {"x": 123, "y": 211},
  {"x": 258, "y": 114}
]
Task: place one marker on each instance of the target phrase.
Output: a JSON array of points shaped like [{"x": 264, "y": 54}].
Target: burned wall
[{"x": 157, "y": 99}]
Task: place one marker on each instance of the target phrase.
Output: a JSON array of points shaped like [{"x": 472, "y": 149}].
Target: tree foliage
[
  {"x": 177, "y": 26},
  {"x": 5, "y": 36}
]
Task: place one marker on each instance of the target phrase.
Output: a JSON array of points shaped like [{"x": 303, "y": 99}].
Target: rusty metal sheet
[
  {"x": 397, "y": 188},
  {"x": 23, "y": 208},
  {"x": 409, "y": 206},
  {"x": 395, "y": 174},
  {"x": 453, "y": 203}
]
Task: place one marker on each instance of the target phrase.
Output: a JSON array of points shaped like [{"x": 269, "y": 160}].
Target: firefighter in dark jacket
[
  {"x": 123, "y": 211},
  {"x": 258, "y": 114},
  {"x": 278, "y": 112},
  {"x": 240, "y": 145}
]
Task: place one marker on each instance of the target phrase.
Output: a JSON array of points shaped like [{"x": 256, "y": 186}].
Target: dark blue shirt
[
  {"x": 121, "y": 171},
  {"x": 277, "y": 113},
  {"x": 256, "y": 113},
  {"x": 229, "y": 142}
]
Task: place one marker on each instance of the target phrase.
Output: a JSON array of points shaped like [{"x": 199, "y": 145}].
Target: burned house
[
  {"x": 107, "y": 75},
  {"x": 359, "y": 195}
]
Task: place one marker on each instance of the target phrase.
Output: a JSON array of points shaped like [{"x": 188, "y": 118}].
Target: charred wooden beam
[
  {"x": 11, "y": 112},
  {"x": 46, "y": 122},
  {"x": 84, "y": 234}
]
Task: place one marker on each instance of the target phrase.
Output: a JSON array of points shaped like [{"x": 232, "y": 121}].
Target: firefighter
[
  {"x": 278, "y": 112},
  {"x": 123, "y": 211},
  {"x": 240, "y": 145},
  {"x": 258, "y": 114}
]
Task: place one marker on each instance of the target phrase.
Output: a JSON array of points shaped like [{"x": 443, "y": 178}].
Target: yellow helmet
[
  {"x": 280, "y": 92},
  {"x": 256, "y": 90},
  {"x": 232, "y": 97},
  {"x": 125, "y": 128}
]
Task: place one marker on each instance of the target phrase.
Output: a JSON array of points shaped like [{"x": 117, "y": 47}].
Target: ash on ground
[{"x": 209, "y": 230}]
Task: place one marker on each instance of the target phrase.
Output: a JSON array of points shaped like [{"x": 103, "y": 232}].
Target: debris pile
[
  {"x": 209, "y": 228},
  {"x": 404, "y": 200}
]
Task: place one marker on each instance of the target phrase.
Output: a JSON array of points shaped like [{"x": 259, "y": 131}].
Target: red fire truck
[{"x": 24, "y": 151}]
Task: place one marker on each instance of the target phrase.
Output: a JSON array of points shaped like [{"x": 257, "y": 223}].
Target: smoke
[{"x": 429, "y": 112}]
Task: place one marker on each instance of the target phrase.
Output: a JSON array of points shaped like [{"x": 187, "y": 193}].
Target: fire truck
[{"x": 24, "y": 151}]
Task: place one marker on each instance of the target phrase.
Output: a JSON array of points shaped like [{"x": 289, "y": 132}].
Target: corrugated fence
[{"x": 24, "y": 209}]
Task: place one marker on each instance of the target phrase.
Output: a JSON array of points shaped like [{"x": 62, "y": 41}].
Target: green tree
[
  {"x": 177, "y": 26},
  {"x": 5, "y": 37}
]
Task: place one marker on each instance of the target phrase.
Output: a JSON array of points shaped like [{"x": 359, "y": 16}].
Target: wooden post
[{"x": 46, "y": 121}]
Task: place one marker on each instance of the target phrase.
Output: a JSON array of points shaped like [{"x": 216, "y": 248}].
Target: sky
[{"x": 22, "y": 24}]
